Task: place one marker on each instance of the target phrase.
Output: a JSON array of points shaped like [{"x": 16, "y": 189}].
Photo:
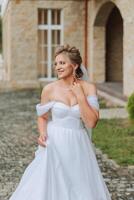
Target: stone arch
[{"x": 108, "y": 44}]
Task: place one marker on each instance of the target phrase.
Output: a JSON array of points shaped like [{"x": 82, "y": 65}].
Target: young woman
[{"x": 65, "y": 165}]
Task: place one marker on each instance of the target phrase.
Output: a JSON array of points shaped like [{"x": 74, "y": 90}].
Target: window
[{"x": 50, "y": 35}]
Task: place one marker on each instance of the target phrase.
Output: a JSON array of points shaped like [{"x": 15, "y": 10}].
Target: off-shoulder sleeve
[
  {"x": 43, "y": 108},
  {"x": 93, "y": 101}
]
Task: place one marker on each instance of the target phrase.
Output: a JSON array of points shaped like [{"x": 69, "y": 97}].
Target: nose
[{"x": 58, "y": 66}]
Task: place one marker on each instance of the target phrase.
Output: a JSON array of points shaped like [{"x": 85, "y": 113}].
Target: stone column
[{"x": 128, "y": 73}]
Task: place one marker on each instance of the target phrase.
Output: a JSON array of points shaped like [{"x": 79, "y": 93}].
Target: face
[{"x": 63, "y": 66}]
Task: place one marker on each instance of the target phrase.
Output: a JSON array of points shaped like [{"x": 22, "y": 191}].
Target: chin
[{"x": 62, "y": 76}]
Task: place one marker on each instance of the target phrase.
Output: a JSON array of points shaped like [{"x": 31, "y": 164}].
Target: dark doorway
[{"x": 114, "y": 46}]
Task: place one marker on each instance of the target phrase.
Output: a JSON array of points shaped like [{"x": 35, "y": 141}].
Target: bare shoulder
[
  {"x": 46, "y": 92},
  {"x": 47, "y": 88},
  {"x": 89, "y": 88}
]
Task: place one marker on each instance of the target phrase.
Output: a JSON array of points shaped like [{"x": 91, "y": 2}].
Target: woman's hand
[
  {"x": 77, "y": 89},
  {"x": 42, "y": 139}
]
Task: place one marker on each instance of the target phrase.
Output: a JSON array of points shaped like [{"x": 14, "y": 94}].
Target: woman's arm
[
  {"x": 89, "y": 114},
  {"x": 43, "y": 119},
  {"x": 42, "y": 124}
]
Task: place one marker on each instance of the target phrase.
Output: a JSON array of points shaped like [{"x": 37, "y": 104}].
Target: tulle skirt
[{"x": 66, "y": 169}]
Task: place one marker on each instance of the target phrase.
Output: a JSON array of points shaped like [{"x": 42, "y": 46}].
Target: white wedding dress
[{"x": 66, "y": 169}]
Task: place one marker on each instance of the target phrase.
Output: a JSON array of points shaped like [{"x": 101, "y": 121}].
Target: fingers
[
  {"x": 43, "y": 137},
  {"x": 42, "y": 140},
  {"x": 76, "y": 84},
  {"x": 41, "y": 143}
]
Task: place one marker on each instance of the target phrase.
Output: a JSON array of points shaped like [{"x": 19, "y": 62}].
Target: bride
[{"x": 65, "y": 166}]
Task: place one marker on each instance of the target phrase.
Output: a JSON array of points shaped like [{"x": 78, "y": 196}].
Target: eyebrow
[{"x": 60, "y": 61}]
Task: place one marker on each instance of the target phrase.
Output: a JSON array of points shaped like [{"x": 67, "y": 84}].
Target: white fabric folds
[{"x": 67, "y": 168}]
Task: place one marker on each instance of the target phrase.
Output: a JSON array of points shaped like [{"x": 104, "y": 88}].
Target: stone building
[{"x": 103, "y": 30}]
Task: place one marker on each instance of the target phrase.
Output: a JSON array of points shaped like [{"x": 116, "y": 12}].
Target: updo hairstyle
[{"x": 74, "y": 55}]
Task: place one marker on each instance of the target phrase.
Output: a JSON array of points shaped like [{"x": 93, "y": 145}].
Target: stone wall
[
  {"x": 6, "y": 41},
  {"x": 20, "y": 40},
  {"x": 23, "y": 38},
  {"x": 98, "y": 15}
]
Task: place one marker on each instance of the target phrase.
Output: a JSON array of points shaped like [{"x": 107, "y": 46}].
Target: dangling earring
[{"x": 74, "y": 75}]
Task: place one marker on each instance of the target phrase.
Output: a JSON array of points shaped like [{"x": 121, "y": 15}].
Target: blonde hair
[{"x": 74, "y": 55}]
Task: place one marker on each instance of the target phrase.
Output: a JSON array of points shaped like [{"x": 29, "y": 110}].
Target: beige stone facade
[
  {"x": 110, "y": 39},
  {"x": 111, "y": 42}
]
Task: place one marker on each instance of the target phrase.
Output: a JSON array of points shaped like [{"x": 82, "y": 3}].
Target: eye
[
  {"x": 55, "y": 63},
  {"x": 61, "y": 62}
]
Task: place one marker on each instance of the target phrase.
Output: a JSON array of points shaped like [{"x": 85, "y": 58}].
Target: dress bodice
[{"x": 65, "y": 114}]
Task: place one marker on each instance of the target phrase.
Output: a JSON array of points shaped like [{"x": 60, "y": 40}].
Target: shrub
[{"x": 130, "y": 106}]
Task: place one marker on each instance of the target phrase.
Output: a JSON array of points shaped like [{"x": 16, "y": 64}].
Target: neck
[{"x": 67, "y": 81}]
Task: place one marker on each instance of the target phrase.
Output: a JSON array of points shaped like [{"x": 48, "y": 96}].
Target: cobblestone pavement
[{"x": 18, "y": 142}]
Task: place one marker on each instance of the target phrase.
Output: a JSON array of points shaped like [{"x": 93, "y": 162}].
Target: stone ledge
[
  {"x": 121, "y": 170},
  {"x": 112, "y": 99},
  {"x": 7, "y": 86}
]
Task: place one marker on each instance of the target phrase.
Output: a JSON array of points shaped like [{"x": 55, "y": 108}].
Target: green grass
[
  {"x": 104, "y": 104},
  {"x": 115, "y": 137}
]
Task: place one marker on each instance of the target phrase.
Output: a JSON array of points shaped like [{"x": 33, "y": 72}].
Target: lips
[{"x": 60, "y": 71}]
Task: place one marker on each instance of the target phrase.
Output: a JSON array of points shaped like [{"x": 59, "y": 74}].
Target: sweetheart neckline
[
  {"x": 66, "y": 104},
  {"x": 75, "y": 105}
]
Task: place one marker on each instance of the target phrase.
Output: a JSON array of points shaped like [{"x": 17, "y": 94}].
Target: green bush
[{"x": 130, "y": 106}]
